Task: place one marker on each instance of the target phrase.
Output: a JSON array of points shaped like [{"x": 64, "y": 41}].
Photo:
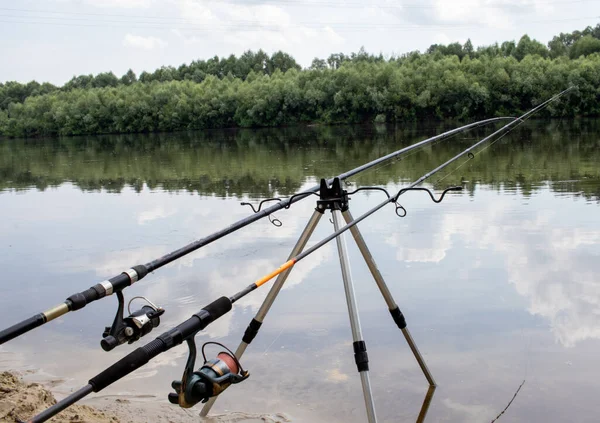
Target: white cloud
[
  {"x": 489, "y": 14},
  {"x": 114, "y": 262},
  {"x": 553, "y": 264},
  {"x": 333, "y": 36},
  {"x": 442, "y": 38},
  {"x": 253, "y": 26},
  {"x": 158, "y": 212},
  {"x": 470, "y": 412},
  {"x": 146, "y": 43},
  {"x": 305, "y": 31}
]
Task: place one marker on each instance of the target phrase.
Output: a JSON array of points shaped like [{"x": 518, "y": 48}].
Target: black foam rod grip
[
  {"x": 218, "y": 308},
  {"x": 127, "y": 364},
  {"x": 21, "y": 328}
]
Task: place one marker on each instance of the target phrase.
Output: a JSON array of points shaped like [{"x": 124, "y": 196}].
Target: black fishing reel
[
  {"x": 133, "y": 327},
  {"x": 210, "y": 380}
]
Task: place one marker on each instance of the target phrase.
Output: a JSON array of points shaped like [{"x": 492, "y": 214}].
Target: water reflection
[
  {"x": 426, "y": 403},
  {"x": 265, "y": 162},
  {"x": 549, "y": 250},
  {"x": 498, "y": 282}
]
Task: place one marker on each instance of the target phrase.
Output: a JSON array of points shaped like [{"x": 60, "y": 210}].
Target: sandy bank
[{"x": 20, "y": 400}]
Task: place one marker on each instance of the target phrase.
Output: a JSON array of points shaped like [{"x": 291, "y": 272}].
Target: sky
[{"x": 53, "y": 40}]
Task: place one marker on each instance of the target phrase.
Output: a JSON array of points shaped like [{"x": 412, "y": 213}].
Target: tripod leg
[
  {"x": 393, "y": 307},
  {"x": 360, "y": 348},
  {"x": 255, "y": 324}
]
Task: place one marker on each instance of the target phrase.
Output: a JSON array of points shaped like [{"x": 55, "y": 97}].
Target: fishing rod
[
  {"x": 216, "y": 375},
  {"x": 142, "y": 321}
]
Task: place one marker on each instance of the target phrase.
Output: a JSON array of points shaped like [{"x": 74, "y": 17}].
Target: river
[{"x": 499, "y": 283}]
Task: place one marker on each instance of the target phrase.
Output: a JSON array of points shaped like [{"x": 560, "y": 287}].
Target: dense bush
[
  {"x": 422, "y": 86},
  {"x": 453, "y": 81}
]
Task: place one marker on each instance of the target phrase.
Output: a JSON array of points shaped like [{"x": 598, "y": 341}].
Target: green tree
[
  {"x": 508, "y": 48},
  {"x": 335, "y": 60},
  {"x": 129, "y": 78},
  {"x": 318, "y": 64},
  {"x": 528, "y": 46},
  {"x": 492, "y": 50},
  {"x": 146, "y": 77},
  {"x": 256, "y": 89},
  {"x": 468, "y": 48},
  {"x": 584, "y": 46},
  {"x": 106, "y": 79},
  {"x": 558, "y": 47},
  {"x": 281, "y": 61}
]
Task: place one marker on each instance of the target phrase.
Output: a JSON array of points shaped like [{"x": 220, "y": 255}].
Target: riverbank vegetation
[{"x": 453, "y": 81}]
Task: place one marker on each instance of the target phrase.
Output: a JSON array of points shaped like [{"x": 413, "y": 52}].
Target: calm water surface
[{"x": 499, "y": 283}]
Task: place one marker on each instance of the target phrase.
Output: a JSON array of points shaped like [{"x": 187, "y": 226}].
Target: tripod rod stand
[{"x": 335, "y": 199}]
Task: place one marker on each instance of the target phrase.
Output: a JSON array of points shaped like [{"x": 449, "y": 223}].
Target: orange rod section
[{"x": 274, "y": 273}]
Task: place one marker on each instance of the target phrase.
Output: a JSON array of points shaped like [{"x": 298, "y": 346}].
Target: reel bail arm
[{"x": 131, "y": 328}]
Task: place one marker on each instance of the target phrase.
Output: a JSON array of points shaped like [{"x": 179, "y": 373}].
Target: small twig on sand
[{"x": 510, "y": 402}]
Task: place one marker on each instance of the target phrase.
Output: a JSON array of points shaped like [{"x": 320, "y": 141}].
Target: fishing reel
[
  {"x": 208, "y": 381},
  {"x": 133, "y": 327}
]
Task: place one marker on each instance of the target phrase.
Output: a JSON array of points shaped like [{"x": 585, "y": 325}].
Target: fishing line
[
  {"x": 399, "y": 159},
  {"x": 274, "y": 340},
  {"x": 485, "y": 147},
  {"x": 473, "y": 156},
  {"x": 510, "y": 402}
]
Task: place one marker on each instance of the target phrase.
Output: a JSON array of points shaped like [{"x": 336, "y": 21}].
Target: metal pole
[
  {"x": 270, "y": 299},
  {"x": 360, "y": 350},
  {"x": 387, "y": 296}
]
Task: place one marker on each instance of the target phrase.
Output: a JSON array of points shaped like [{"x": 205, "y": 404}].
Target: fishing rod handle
[
  {"x": 103, "y": 289},
  {"x": 21, "y": 328},
  {"x": 132, "y": 361},
  {"x": 162, "y": 343},
  {"x": 75, "y": 302}
]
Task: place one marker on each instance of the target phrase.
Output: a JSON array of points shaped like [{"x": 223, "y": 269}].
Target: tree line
[
  {"x": 453, "y": 81},
  {"x": 239, "y": 67}
]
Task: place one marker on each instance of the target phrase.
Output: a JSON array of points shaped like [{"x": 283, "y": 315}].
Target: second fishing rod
[
  {"x": 140, "y": 322},
  {"x": 193, "y": 386}
]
